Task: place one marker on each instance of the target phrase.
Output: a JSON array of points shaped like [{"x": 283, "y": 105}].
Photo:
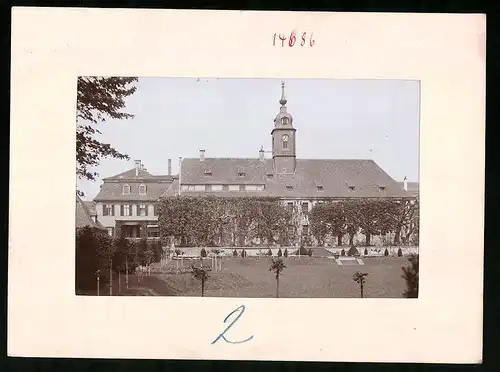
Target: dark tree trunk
[
  {"x": 202, "y": 288},
  {"x": 339, "y": 240},
  {"x": 361, "y": 290},
  {"x": 368, "y": 238},
  {"x": 277, "y": 285},
  {"x": 351, "y": 239},
  {"x": 397, "y": 236}
]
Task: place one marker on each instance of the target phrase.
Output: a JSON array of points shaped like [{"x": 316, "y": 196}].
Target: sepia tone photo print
[{"x": 215, "y": 187}]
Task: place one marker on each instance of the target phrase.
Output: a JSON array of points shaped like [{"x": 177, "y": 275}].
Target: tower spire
[{"x": 283, "y": 98}]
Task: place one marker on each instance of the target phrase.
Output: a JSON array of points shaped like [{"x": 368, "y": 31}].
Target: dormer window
[
  {"x": 142, "y": 189},
  {"x": 381, "y": 187},
  {"x": 319, "y": 187},
  {"x": 284, "y": 141},
  {"x": 126, "y": 189},
  {"x": 284, "y": 121},
  {"x": 289, "y": 188},
  {"x": 270, "y": 176},
  {"x": 208, "y": 171},
  {"x": 352, "y": 187},
  {"x": 241, "y": 172}
]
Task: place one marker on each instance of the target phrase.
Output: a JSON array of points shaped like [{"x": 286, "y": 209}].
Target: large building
[
  {"x": 128, "y": 201},
  {"x": 301, "y": 183}
]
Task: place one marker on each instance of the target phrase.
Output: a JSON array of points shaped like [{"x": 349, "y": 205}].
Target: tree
[
  {"x": 277, "y": 267},
  {"x": 309, "y": 252},
  {"x": 269, "y": 252},
  {"x": 88, "y": 257},
  {"x": 410, "y": 275},
  {"x": 400, "y": 252},
  {"x": 235, "y": 253},
  {"x": 200, "y": 274},
  {"x": 203, "y": 252},
  {"x": 98, "y": 99},
  {"x": 328, "y": 219},
  {"x": 360, "y": 278},
  {"x": 285, "y": 253},
  {"x": 280, "y": 253},
  {"x": 386, "y": 253},
  {"x": 243, "y": 253}
]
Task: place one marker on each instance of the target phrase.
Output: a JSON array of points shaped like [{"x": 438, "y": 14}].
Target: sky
[{"x": 335, "y": 119}]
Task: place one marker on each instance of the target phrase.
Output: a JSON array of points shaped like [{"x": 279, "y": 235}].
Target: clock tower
[{"x": 283, "y": 137}]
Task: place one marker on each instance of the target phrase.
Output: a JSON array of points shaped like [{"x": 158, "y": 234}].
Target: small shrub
[
  {"x": 386, "y": 253},
  {"x": 302, "y": 251},
  {"x": 400, "y": 253},
  {"x": 285, "y": 254},
  {"x": 243, "y": 253},
  {"x": 280, "y": 253},
  {"x": 342, "y": 252},
  {"x": 353, "y": 251},
  {"x": 269, "y": 252},
  {"x": 310, "y": 252},
  {"x": 235, "y": 253},
  {"x": 203, "y": 252},
  {"x": 366, "y": 252}
]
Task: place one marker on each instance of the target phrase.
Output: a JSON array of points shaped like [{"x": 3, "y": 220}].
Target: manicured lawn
[{"x": 304, "y": 277}]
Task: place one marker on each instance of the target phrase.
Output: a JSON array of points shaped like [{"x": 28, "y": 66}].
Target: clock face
[{"x": 285, "y": 138}]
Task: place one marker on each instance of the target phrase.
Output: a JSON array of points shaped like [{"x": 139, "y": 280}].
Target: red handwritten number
[
  {"x": 291, "y": 41},
  {"x": 282, "y": 38},
  {"x": 312, "y": 42},
  {"x": 303, "y": 39}
]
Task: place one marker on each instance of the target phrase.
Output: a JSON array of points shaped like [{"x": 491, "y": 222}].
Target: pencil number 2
[{"x": 293, "y": 39}]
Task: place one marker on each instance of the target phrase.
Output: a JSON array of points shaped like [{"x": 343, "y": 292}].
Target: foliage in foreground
[{"x": 410, "y": 275}]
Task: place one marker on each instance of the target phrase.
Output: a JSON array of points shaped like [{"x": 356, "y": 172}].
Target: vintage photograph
[{"x": 265, "y": 188}]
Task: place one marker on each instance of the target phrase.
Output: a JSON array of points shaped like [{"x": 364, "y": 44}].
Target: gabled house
[{"x": 128, "y": 201}]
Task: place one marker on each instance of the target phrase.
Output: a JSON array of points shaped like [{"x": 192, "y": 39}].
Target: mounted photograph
[{"x": 252, "y": 188}]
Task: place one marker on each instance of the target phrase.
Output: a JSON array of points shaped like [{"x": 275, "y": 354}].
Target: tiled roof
[
  {"x": 84, "y": 216},
  {"x": 91, "y": 207},
  {"x": 335, "y": 177},
  {"x": 112, "y": 187}
]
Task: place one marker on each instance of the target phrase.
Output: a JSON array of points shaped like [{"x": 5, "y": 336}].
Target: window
[
  {"x": 319, "y": 187},
  {"x": 126, "y": 190},
  {"x": 199, "y": 188},
  {"x": 305, "y": 230},
  {"x": 270, "y": 176},
  {"x": 225, "y": 187},
  {"x": 285, "y": 141},
  {"x": 381, "y": 188},
  {"x": 284, "y": 121},
  {"x": 242, "y": 187},
  {"x": 241, "y": 172},
  {"x": 289, "y": 187},
  {"x": 216, "y": 187},
  {"x": 352, "y": 187},
  {"x": 208, "y": 171},
  {"x": 290, "y": 206},
  {"x": 153, "y": 231},
  {"x": 126, "y": 210},
  {"x": 305, "y": 207},
  {"x": 208, "y": 187},
  {"x": 142, "y": 190},
  {"x": 110, "y": 230},
  {"x": 108, "y": 210},
  {"x": 142, "y": 210},
  {"x": 234, "y": 187}
]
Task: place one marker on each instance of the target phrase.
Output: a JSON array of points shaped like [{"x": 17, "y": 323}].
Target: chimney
[
  {"x": 405, "y": 184},
  {"x": 169, "y": 167},
  {"x": 137, "y": 167},
  {"x": 202, "y": 155},
  {"x": 261, "y": 154}
]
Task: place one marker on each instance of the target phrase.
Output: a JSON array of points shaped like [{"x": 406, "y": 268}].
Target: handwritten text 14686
[{"x": 303, "y": 39}]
